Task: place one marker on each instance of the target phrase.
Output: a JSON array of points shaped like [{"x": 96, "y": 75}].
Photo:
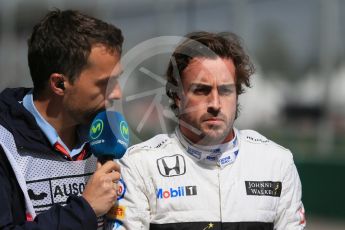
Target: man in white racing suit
[{"x": 208, "y": 174}]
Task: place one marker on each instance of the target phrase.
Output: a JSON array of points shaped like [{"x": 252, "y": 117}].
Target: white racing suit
[{"x": 248, "y": 183}]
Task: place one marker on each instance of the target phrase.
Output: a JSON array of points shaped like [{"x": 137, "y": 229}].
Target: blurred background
[{"x": 298, "y": 92}]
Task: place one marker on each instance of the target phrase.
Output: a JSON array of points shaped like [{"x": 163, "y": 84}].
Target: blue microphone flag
[{"x": 109, "y": 135}]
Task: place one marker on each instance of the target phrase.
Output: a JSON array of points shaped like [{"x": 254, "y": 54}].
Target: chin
[
  {"x": 215, "y": 135},
  {"x": 215, "y": 131},
  {"x": 211, "y": 139},
  {"x": 87, "y": 119}
]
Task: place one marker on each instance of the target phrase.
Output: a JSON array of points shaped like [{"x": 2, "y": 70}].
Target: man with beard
[
  {"x": 208, "y": 174},
  {"x": 46, "y": 166}
]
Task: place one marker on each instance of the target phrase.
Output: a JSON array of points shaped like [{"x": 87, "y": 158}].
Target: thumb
[{"x": 99, "y": 165}]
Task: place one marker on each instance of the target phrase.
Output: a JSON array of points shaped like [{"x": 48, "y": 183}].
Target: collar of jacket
[{"x": 21, "y": 123}]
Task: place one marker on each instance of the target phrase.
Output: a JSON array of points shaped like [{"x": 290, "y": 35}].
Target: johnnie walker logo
[{"x": 263, "y": 188}]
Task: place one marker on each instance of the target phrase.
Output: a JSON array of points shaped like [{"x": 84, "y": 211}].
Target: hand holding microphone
[
  {"x": 100, "y": 191},
  {"x": 109, "y": 139}
]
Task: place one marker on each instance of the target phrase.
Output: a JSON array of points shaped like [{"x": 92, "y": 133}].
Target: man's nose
[
  {"x": 114, "y": 93},
  {"x": 214, "y": 103}
]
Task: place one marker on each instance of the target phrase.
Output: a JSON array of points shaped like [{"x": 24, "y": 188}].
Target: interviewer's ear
[{"x": 57, "y": 83}]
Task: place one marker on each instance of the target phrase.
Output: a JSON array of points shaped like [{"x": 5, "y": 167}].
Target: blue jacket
[{"x": 77, "y": 214}]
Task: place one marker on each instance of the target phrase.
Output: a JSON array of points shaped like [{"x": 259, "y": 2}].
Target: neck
[{"x": 52, "y": 111}]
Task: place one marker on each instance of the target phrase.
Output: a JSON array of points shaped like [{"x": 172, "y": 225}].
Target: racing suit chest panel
[
  {"x": 180, "y": 189},
  {"x": 248, "y": 187},
  {"x": 185, "y": 188}
]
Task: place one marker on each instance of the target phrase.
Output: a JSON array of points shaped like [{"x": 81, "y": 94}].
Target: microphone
[
  {"x": 109, "y": 136},
  {"x": 109, "y": 140}
]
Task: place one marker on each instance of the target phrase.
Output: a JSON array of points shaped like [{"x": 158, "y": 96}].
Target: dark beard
[
  {"x": 208, "y": 140},
  {"x": 88, "y": 117}
]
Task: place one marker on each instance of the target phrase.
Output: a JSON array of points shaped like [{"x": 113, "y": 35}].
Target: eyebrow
[
  {"x": 108, "y": 77},
  {"x": 227, "y": 85},
  {"x": 194, "y": 85}
]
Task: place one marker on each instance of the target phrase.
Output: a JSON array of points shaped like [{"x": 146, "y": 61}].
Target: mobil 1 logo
[{"x": 177, "y": 192}]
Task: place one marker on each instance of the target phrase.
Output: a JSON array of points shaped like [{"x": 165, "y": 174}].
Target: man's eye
[
  {"x": 201, "y": 90},
  {"x": 226, "y": 90}
]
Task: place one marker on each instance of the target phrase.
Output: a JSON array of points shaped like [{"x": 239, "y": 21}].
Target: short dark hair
[
  {"x": 209, "y": 45},
  {"x": 61, "y": 43}
]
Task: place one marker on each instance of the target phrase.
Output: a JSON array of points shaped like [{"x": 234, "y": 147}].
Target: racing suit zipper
[{"x": 220, "y": 197}]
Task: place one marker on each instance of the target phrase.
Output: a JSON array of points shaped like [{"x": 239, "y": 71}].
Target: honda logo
[{"x": 171, "y": 166}]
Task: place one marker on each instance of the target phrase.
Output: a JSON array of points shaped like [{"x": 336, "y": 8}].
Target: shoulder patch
[
  {"x": 153, "y": 143},
  {"x": 254, "y": 137}
]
